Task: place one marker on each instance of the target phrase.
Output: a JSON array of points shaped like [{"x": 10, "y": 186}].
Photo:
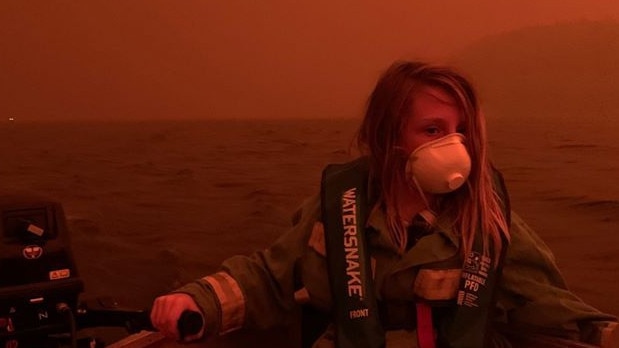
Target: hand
[{"x": 167, "y": 310}]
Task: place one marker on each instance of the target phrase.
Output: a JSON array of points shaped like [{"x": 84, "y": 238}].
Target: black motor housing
[{"x": 37, "y": 269}]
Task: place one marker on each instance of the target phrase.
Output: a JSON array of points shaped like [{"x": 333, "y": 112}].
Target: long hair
[{"x": 476, "y": 205}]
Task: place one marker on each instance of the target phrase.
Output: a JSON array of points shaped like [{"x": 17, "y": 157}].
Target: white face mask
[{"x": 439, "y": 166}]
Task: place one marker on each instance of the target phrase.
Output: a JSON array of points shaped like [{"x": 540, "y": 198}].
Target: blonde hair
[{"x": 476, "y": 205}]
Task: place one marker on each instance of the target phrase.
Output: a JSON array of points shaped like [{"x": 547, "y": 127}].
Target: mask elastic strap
[{"x": 421, "y": 193}]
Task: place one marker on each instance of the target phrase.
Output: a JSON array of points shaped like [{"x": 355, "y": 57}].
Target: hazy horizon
[{"x": 113, "y": 60}]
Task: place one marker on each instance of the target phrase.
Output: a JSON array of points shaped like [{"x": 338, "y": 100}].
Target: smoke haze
[{"x": 230, "y": 59}]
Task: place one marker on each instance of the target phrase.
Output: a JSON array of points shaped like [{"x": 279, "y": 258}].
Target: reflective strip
[
  {"x": 231, "y": 300},
  {"x": 317, "y": 239},
  {"x": 437, "y": 284}
]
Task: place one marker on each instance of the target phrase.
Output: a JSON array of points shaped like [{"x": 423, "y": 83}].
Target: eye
[{"x": 432, "y": 130}]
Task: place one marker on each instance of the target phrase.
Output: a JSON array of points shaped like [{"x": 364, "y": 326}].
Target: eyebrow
[{"x": 422, "y": 121}]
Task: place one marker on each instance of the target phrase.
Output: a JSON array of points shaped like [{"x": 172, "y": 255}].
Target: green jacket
[{"x": 262, "y": 290}]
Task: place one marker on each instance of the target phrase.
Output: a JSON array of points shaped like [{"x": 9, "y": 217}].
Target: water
[{"x": 152, "y": 205}]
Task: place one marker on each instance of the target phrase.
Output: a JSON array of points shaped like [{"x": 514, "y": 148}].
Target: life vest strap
[
  {"x": 345, "y": 206},
  {"x": 425, "y": 328}
]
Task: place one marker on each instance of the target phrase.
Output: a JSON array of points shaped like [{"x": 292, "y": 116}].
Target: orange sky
[{"x": 102, "y": 59}]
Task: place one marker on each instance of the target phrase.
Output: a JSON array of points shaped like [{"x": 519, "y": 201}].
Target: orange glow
[{"x": 204, "y": 59}]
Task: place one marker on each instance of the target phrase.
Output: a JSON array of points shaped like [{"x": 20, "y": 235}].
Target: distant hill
[{"x": 567, "y": 70}]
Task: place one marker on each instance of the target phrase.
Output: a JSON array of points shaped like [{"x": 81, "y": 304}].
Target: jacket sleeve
[
  {"x": 256, "y": 291},
  {"x": 533, "y": 293}
]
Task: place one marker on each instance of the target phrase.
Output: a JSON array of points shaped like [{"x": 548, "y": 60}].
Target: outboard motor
[
  {"x": 39, "y": 282},
  {"x": 40, "y": 285}
]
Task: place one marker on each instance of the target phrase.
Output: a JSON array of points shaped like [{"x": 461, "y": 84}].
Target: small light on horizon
[{"x": 12, "y": 119}]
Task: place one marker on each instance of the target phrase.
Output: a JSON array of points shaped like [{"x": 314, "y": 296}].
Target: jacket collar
[{"x": 439, "y": 246}]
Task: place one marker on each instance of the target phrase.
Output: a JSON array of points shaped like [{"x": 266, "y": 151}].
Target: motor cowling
[{"x": 37, "y": 269}]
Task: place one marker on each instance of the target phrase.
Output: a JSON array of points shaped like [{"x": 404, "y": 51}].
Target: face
[{"x": 434, "y": 114}]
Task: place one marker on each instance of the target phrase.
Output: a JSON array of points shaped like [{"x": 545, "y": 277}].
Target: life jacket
[{"x": 345, "y": 204}]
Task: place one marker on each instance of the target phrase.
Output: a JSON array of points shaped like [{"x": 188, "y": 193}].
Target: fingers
[{"x": 167, "y": 310}]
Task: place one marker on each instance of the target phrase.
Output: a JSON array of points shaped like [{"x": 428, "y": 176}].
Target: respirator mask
[{"x": 439, "y": 166}]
